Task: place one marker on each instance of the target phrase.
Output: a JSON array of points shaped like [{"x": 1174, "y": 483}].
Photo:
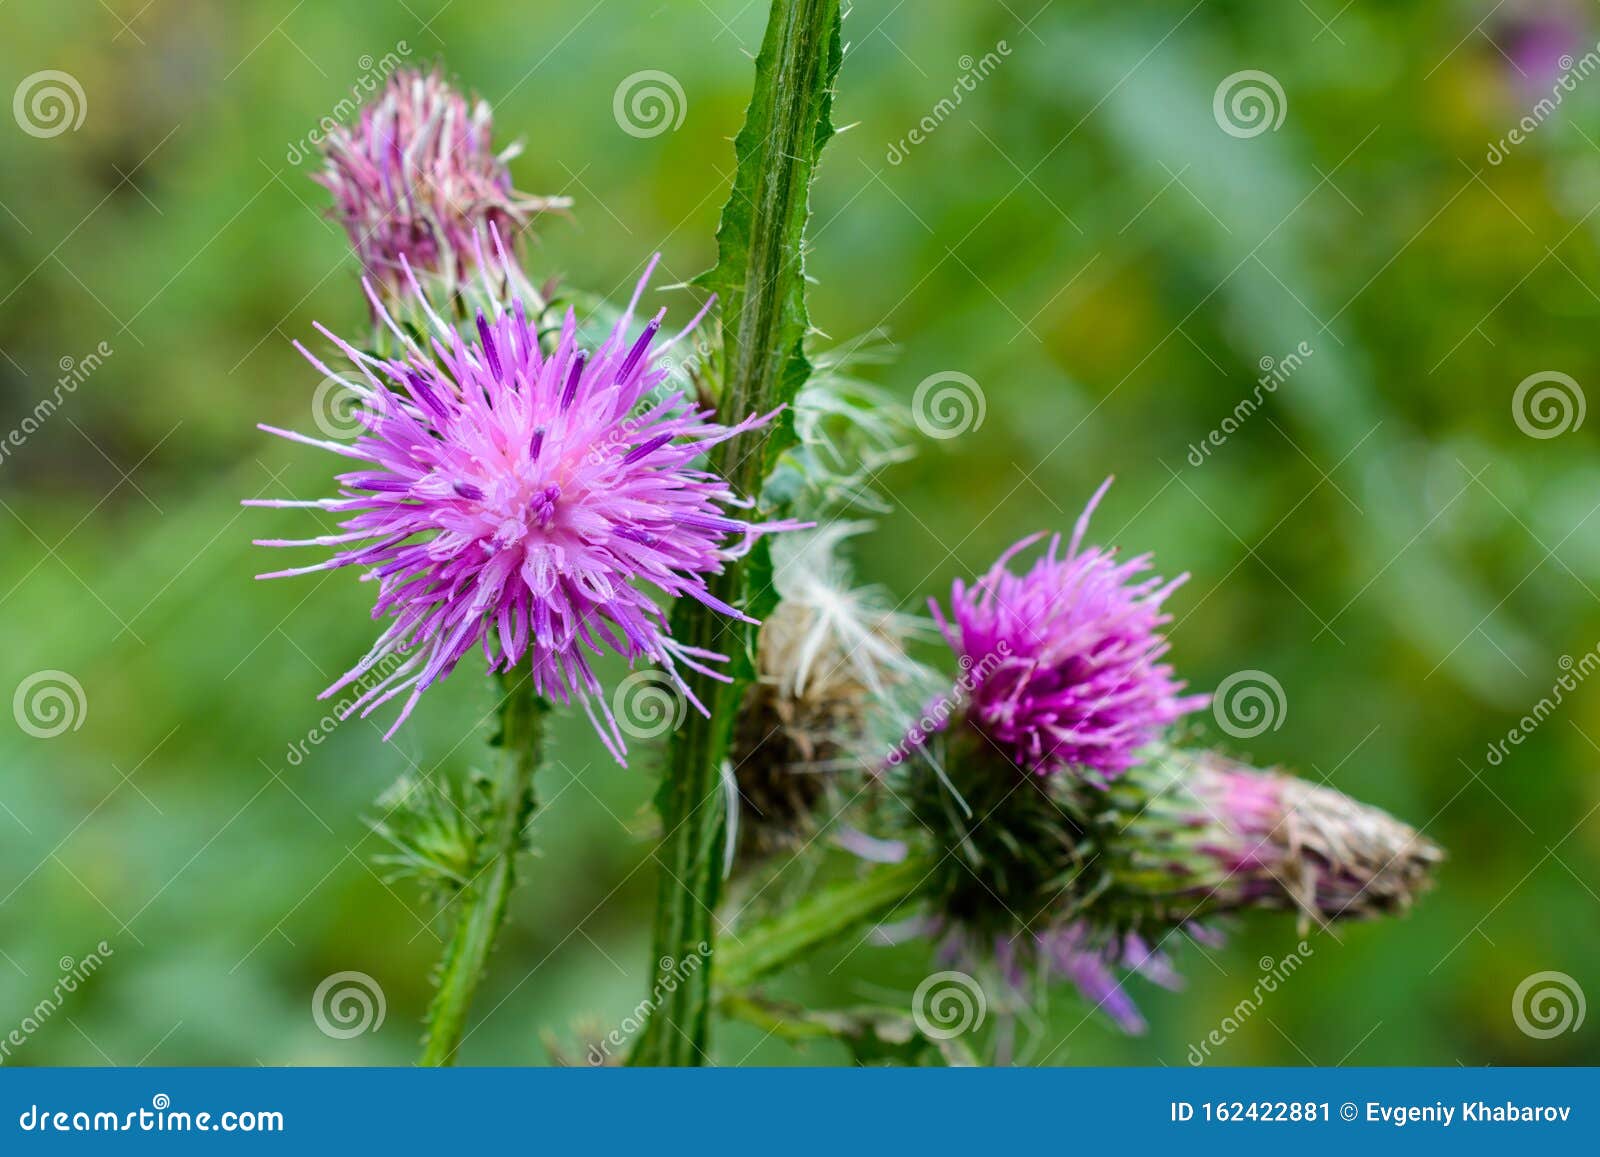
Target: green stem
[
  {"x": 775, "y": 1019},
  {"x": 822, "y": 916},
  {"x": 482, "y": 903},
  {"x": 761, "y": 282}
]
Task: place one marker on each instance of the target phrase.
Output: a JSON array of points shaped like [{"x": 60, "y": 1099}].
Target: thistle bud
[
  {"x": 417, "y": 181},
  {"x": 1209, "y": 833},
  {"x": 433, "y": 828}
]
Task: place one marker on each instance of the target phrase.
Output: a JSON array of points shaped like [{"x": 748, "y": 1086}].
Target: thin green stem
[
  {"x": 482, "y": 903},
  {"x": 823, "y": 916}
]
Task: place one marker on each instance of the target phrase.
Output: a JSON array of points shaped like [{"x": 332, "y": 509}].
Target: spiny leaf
[{"x": 760, "y": 270}]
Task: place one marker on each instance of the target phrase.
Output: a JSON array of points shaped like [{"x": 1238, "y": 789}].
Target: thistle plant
[
  {"x": 1029, "y": 804},
  {"x": 760, "y": 279}
]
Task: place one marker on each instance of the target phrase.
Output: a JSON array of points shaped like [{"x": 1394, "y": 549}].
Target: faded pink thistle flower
[
  {"x": 1269, "y": 840},
  {"x": 1065, "y": 659},
  {"x": 512, "y": 500},
  {"x": 418, "y": 178}
]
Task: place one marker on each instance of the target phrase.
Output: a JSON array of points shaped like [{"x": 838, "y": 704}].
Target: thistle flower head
[
  {"x": 516, "y": 501},
  {"x": 831, "y": 663},
  {"x": 417, "y": 178},
  {"x": 1066, "y": 659}
]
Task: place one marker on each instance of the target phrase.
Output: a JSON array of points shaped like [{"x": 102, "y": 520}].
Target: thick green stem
[
  {"x": 761, "y": 283},
  {"x": 482, "y": 903}
]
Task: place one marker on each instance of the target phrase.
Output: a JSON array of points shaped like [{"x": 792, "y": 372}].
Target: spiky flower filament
[{"x": 519, "y": 501}]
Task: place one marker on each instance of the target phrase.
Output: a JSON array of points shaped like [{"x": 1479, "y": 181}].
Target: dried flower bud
[
  {"x": 1231, "y": 837},
  {"x": 830, "y": 658}
]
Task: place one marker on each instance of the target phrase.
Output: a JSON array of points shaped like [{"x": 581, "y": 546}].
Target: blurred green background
[{"x": 1080, "y": 236}]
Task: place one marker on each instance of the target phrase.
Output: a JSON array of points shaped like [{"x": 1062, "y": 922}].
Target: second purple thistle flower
[
  {"x": 516, "y": 501},
  {"x": 1064, "y": 662}
]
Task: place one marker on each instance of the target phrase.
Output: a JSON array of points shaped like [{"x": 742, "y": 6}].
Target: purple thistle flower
[
  {"x": 1063, "y": 662},
  {"x": 418, "y": 178},
  {"x": 513, "y": 500},
  {"x": 1097, "y": 964},
  {"x": 1100, "y": 971}
]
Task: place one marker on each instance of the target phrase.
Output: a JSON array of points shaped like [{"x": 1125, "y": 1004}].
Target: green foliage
[
  {"x": 872, "y": 1034},
  {"x": 435, "y": 828}
]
